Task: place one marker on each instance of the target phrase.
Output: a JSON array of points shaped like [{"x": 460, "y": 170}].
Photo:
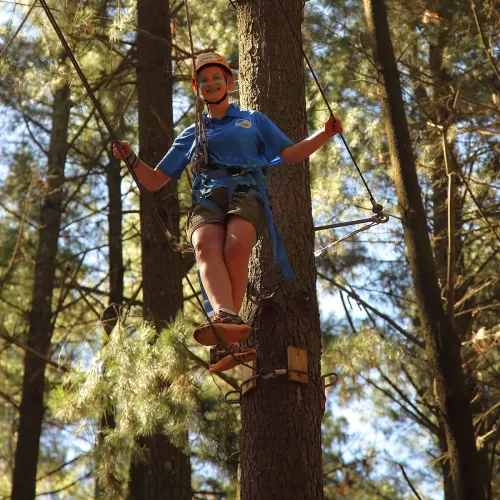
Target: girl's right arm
[{"x": 151, "y": 178}]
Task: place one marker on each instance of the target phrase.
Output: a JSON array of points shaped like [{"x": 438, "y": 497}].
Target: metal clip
[{"x": 328, "y": 375}]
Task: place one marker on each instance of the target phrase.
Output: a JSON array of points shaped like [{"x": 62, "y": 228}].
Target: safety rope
[
  {"x": 170, "y": 238},
  {"x": 200, "y": 131},
  {"x": 376, "y": 208},
  {"x": 364, "y": 228}
]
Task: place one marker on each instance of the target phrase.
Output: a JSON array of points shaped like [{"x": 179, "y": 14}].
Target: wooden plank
[
  {"x": 297, "y": 360},
  {"x": 246, "y": 373}
]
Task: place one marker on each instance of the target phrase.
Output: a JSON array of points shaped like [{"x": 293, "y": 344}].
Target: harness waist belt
[{"x": 223, "y": 171}]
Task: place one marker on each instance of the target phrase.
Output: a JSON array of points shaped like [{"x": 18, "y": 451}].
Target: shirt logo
[{"x": 243, "y": 122}]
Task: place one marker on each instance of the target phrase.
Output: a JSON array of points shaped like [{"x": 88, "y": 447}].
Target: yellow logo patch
[{"x": 243, "y": 122}]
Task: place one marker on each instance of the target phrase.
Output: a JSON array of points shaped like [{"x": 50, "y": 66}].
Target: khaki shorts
[{"x": 248, "y": 206}]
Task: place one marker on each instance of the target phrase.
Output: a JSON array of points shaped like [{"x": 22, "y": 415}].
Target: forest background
[{"x": 381, "y": 434}]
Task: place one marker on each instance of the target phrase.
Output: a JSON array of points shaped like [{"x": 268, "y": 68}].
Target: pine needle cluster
[{"x": 144, "y": 380}]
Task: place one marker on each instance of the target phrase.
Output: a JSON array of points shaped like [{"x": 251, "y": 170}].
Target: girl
[{"x": 230, "y": 202}]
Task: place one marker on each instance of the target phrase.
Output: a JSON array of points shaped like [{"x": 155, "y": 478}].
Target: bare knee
[
  {"x": 236, "y": 250},
  {"x": 208, "y": 243}
]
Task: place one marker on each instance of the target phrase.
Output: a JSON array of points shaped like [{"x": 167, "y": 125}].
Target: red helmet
[{"x": 210, "y": 58}]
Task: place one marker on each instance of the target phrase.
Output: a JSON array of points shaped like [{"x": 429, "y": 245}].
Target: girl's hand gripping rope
[
  {"x": 126, "y": 152},
  {"x": 333, "y": 126}
]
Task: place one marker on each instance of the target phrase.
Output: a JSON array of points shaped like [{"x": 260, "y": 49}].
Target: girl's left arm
[{"x": 303, "y": 149}]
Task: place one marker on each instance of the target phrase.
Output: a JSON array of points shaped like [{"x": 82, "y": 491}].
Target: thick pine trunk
[
  {"x": 166, "y": 473},
  {"x": 281, "y": 420},
  {"x": 442, "y": 344},
  {"x": 40, "y": 327}
]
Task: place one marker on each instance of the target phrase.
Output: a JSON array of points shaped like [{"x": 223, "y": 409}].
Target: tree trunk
[
  {"x": 442, "y": 344},
  {"x": 116, "y": 270},
  {"x": 40, "y": 327},
  {"x": 281, "y": 420},
  {"x": 166, "y": 473}
]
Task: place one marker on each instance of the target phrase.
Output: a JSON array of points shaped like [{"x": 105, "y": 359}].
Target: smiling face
[{"x": 214, "y": 83}]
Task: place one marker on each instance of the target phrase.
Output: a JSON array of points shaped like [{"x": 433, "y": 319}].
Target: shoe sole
[
  {"x": 233, "y": 360},
  {"x": 225, "y": 333}
]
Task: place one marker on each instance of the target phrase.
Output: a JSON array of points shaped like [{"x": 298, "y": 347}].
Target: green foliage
[{"x": 148, "y": 382}]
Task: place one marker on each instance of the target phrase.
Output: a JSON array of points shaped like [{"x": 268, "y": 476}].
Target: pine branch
[
  {"x": 9, "y": 400},
  {"x": 21, "y": 345},
  {"x": 409, "y": 482},
  {"x": 382, "y": 315},
  {"x": 484, "y": 40},
  {"x": 67, "y": 487},
  {"x": 62, "y": 466},
  {"x": 430, "y": 424},
  {"x": 412, "y": 415},
  {"x": 19, "y": 234}
]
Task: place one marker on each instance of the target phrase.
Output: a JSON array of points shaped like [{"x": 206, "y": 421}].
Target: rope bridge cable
[
  {"x": 376, "y": 208},
  {"x": 333, "y": 243},
  {"x": 377, "y": 219},
  {"x": 170, "y": 238}
]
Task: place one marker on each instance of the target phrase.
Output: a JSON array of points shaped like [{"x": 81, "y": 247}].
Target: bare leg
[
  {"x": 208, "y": 243},
  {"x": 240, "y": 239}
]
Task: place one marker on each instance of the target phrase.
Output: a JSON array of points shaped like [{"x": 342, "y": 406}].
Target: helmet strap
[{"x": 218, "y": 102}]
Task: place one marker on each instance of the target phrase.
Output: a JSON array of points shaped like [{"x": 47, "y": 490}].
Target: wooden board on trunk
[
  {"x": 246, "y": 373},
  {"x": 297, "y": 360}
]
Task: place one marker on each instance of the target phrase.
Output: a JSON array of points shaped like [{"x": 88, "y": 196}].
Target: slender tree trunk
[
  {"x": 281, "y": 420},
  {"x": 40, "y": 328},
  {"x": 442, "y": 344},
  {"x": 166, "y": 473},
  {"x": 116, "y": 270}
]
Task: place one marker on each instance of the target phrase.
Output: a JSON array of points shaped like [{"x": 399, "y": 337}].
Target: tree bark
[
  {"x": 441, "y": 341},
  {"x": 166, "y": 473},
  {"x": 281, "y": 420},
  {"x": 116, "y": 272},
  {"x": 40, "y": 327}
]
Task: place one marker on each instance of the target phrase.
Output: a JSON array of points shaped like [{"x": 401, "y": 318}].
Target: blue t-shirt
[{"x": 246, "y": 139}]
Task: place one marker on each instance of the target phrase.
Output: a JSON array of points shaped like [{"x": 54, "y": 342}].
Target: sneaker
[
  {"x": 224, "y": 327},
  {"x": 226, "y": 356}
]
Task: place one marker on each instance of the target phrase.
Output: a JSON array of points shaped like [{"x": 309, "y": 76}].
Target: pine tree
[
  {"x": 442, "y": 345},
  {"x": 31, "y": 410},
  {"x": 167, "y": 469},
  {"x": 281, "y": 441}
]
